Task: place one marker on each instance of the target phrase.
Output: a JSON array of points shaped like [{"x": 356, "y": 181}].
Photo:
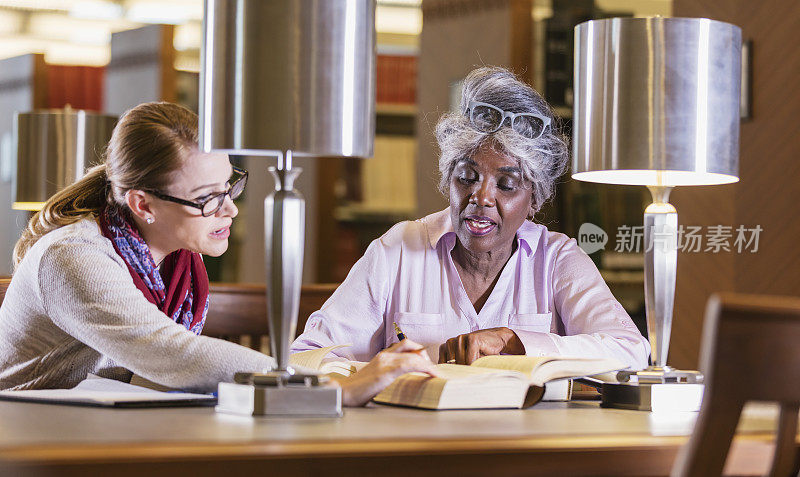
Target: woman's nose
[
  {"x": 483, "y": 196},
  {"x": 229, "y": 208}
]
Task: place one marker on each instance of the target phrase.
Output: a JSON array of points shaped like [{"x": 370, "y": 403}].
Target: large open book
[
  {"x": 503, "y": 381},
  {"x": 490, "y": 382}
]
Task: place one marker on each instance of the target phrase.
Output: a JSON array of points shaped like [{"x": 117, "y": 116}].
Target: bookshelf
[
  {"x": 395, "y": 109},
  {"x": 360, "y": 199}
]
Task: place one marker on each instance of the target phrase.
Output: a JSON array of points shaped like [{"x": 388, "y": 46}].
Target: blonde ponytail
[{"x": 85, "y": 198}]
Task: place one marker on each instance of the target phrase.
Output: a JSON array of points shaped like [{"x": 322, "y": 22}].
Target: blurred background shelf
[{"x": 396, "y": 109}]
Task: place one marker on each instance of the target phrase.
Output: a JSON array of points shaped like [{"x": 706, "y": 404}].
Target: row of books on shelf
[
  {"x": 82, "y": 86},
  {"x": 396, "y": 79},
  {"x": 388, "y": 180}
]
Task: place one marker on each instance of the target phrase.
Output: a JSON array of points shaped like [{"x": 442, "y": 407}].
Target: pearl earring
[{"x": 150, "y": 220}]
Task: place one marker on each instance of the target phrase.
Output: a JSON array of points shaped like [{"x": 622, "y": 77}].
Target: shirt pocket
[
  {"x": 531, "y": 322},
  {"x": 427, "y": 329}
]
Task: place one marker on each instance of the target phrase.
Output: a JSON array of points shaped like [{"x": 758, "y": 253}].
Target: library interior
[{"x": 529, "y": 237}]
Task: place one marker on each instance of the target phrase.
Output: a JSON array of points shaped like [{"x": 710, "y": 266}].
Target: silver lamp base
[
  {"x": 658, "y": 387},
  {"x": 277, "y": 394},
  {"x": 655, "y": 389}
]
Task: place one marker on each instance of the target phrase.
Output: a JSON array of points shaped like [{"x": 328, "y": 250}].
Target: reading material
[
  {"x": 97, "y": 391},
  {"x": 315, "y": 359},
  {"x": 503, "y": 381}
]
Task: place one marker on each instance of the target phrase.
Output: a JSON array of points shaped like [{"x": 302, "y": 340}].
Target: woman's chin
[
  {"x": 480, "y": 244},
  {"x": 216, "y": 249}
]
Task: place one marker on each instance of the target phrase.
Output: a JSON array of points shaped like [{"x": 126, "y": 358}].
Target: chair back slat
[{"x": 749, "y": 352}]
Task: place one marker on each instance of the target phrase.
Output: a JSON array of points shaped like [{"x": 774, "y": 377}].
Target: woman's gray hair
[{"x": 542, "y": 160}]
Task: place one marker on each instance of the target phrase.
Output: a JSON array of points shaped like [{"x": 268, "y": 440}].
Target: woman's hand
[
  {"x": 466, "y": 348},
  {"x": 400, "y": 358}
]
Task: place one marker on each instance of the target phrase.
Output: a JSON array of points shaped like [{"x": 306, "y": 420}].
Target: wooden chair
[
  {"x": 240, "y": 310},
  {"x": 750, "y": 351}
]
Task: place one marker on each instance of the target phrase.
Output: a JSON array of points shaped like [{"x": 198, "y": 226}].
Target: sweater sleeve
[{"x": 88, "y": 293}]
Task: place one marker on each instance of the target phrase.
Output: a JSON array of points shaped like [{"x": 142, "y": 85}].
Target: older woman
[
  {"x": 109, "y": 277},
  {"x": 481, "y": 278}
]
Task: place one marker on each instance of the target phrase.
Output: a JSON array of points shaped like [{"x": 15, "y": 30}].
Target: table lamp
[
  {"x": 656, "y": 104},
  {"x": 286, "y": 78},
  {"x": 54, "y": 149}
]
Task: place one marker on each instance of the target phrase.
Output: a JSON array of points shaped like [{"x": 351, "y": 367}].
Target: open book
[
  {"x": 502, "y": 381},
  {"x": 315, "y": 359}
]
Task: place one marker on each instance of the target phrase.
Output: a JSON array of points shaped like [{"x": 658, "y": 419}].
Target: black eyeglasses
[
  {"x": 211, "y": 205},
  {"x": 489, "y": 118}
]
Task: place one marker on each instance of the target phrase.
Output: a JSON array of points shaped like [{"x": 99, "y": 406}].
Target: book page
[
  {"x": 546, "y": 368},
  {"x": 524, "y": 364},
  {"x": 313, "y": 358},
  {"x": 460, "y": 371},
  {"x": 573, "y": 368},
  {"x": 344, "y": 368}
]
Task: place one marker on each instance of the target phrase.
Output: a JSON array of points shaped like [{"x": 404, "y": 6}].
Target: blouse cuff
[{"x": 537, "y": 343}]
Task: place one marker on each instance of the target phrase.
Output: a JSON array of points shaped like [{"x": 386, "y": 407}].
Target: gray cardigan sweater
[{"x": 72, "y": 309}]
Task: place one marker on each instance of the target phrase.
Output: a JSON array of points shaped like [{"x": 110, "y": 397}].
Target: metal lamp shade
[
  {"x": 657, "y": 101},
  {"x": 54, "y": 149},
  {"x": 282, "y": 75}
]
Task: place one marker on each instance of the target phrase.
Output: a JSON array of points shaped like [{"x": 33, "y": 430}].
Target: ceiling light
[
  {"x": 402, "y": 3},
  {"x": 20, "y": 45},
  {"x": 57, "y": 5},
  {"x": 10, "y": 23},
  {"x": 394, "y": 19},
  {"x": 96, "y": 10},
  {"x": 53, "y": 26},
  {"x": 73, "y": 54},
  {"x": 188, "y": 36},
  {"x": 174, "y": 12}
]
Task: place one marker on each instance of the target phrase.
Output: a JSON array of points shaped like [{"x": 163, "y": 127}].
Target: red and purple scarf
[{"x": 184, "y": 297}]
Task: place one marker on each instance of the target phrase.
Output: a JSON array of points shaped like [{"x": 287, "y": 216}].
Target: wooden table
[{"x": 576, "y": 438}]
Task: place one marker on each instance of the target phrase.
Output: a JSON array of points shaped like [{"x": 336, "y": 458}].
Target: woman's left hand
[{"x": 466, "y": 348}]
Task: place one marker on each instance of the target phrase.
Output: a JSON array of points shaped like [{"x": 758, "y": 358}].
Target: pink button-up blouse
[{"x": 549, "y": 292}]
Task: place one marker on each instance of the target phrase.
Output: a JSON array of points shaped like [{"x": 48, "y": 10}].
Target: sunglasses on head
[{"x": 488, "y": 118}]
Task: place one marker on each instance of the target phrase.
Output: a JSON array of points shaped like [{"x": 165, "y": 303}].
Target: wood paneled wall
[{"x": 769, "y": 172}]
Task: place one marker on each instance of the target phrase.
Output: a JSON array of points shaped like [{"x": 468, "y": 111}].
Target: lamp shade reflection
[
  {"x": 657, "y": 101},
  {"x": 288, "y": 76},
  {"x": 54, "y": 148}
]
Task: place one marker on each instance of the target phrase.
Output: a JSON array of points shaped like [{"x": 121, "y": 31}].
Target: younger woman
[{"x": 109, "y": 277}]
